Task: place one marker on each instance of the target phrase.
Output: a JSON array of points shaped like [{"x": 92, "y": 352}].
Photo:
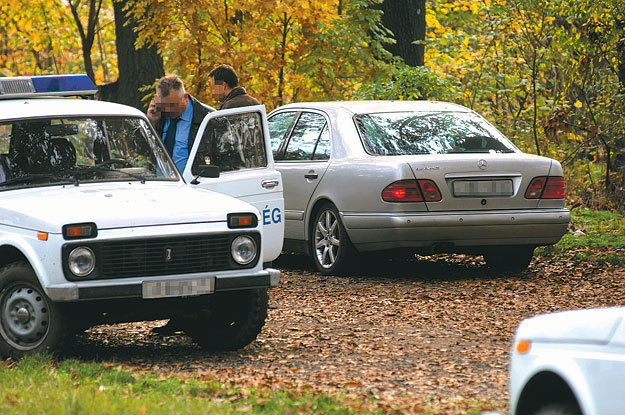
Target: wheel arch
[
  {"x": 10, "y": 254},
  {"x": 543, "y": 388},
  {"x": 13, "y": 251},
  {"x": 315, "y": 206}
]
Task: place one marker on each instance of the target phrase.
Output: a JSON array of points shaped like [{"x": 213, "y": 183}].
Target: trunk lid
[{"x": 480, "y": 181}]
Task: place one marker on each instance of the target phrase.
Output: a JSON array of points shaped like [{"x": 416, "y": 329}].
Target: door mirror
[{"x": 210, "y": 171}]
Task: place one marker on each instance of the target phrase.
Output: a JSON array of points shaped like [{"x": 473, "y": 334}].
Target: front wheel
[
  {"x": 29, "y": 321},
  {"x": 230, "y": 321},
  {"x": 509, "y": 258},
  {"x": 331, "y": 248}
]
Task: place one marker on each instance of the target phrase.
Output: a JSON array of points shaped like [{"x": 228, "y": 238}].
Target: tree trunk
[
  {"x": 406, "y": 19},
  {"x": 138, "y": 68},
  {"x": 620, "y": 54}
]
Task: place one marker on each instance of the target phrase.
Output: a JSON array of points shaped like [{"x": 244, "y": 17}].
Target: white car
[
  {"x": 569, "y": 363},
  {"x": 98, "y": 226}
]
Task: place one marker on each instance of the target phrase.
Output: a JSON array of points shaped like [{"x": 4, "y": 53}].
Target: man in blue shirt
[{"x": 176, "y": 116}]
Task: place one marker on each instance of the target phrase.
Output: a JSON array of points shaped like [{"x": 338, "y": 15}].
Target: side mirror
[
  {"x": 208, "y": 171},
  {"x": 204, "y": 171}
]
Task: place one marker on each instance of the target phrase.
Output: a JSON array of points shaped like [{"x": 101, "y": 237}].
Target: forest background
[{"x": 549, "y": 74}]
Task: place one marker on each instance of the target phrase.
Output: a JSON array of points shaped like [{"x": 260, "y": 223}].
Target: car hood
[
  {"x": 577, "y": 326},
  {"x": 115, "y": 205}
]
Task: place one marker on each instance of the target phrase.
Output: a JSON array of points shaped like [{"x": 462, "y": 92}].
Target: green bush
[{"x": 404, "y": 82}]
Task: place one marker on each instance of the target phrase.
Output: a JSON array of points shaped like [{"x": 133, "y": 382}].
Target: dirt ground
[{"x": 436, "y": 329}]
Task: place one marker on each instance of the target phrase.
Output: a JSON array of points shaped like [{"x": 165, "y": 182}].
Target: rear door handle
[
  {"x": 269, "y": 183},
  {"x": 311, "y": 175}
]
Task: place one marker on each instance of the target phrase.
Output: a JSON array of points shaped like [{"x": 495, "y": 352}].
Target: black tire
[
  {"x": 231, "y": 320},
  {"x": 30, "y": 322},
  {"x": 509, "y": 258},
  {"x": 331, "y": 249},
  {"x": 560, "y": 408}
]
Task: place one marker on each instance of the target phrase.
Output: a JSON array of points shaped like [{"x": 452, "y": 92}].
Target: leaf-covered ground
[{"x": 412, "y": 334}]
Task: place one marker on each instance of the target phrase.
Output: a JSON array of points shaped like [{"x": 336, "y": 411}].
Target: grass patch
[
  {"x": 40, "y": 385},
  {"x": 592, "y": 229}
]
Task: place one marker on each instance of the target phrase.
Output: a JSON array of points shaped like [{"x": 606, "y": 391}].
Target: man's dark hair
[
  {"x": 169, "y": 82},
  {"x": 226, "y": 74}
]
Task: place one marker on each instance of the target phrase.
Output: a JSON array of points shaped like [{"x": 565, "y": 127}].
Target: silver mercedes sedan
[{"x": 410, "y": 177}]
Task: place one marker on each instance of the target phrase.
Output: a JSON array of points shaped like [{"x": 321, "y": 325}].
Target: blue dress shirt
[{"x": 181, "y": 146}]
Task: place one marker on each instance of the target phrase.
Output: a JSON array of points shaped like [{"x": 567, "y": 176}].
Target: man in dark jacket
[
  {"x": 176, "y": 116},
  {"x": 225, "y": 87}
]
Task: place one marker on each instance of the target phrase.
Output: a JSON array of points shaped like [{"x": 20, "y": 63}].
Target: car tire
[
  {"x": 29, "y": 321},
  {"x": 509, "y": 258},
  {"x": 560, "y": 408},
  {"x": 331, "y": 249},
  {"x": 230, "y": 321}
]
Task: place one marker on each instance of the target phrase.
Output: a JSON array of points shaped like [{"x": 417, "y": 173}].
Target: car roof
[
  {"x": 365, "y": 107},
  {"x": 11, "y": 109}
]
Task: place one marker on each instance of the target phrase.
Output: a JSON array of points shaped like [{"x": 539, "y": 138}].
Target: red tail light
[
  {"x": 411, "y": 191},
  {"x": 430, "y": 191},
  {"x": 402, "y": 191},
  {"x": 545, "y": 188}
]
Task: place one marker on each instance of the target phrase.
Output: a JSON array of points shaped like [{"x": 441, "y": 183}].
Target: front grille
[{"x": 163, "y": 256}]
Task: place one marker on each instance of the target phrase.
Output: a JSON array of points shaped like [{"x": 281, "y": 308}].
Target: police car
[{"x": 97, "y": 225}]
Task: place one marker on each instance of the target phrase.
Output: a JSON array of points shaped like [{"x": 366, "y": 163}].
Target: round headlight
[
  {"x": 81, "y": 261},
  {"x": 243, "y": 249}
]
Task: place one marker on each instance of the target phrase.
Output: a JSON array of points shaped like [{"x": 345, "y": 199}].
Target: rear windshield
[{"x": 405, "y": 133}]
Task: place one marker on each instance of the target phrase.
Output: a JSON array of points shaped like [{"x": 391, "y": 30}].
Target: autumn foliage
[
  {"x": 284, "y": 51},
  {"x": 550, "y": 74}
]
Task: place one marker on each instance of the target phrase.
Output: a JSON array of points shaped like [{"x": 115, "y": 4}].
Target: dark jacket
[
  {"x": 237, "y": 98},
  {"x": 199, "y": 112}
]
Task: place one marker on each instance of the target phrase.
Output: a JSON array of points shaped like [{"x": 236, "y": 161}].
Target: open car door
[{"x": 237, "y": 141}]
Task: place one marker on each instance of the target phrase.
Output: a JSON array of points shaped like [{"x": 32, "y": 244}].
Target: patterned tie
[{"x": 170, "y": 138}]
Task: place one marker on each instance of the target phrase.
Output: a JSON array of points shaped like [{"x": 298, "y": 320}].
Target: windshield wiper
[
  {"x": 29, "y": 178},
  {"x": 102, "y": 169}
]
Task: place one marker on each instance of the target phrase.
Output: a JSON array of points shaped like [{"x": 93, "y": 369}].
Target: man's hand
[{"x": 153, "y": 114}]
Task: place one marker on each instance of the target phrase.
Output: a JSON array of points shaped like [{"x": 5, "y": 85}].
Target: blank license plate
[
  {"x": 481, "y": 188},
  {"x": 178, "y": 288}
]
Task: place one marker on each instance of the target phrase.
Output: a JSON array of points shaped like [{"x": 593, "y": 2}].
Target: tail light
[
  {"x": 411, "y": 191},
  {"x": 545, "y": 188},
  {"x": 430, "y": 191}
]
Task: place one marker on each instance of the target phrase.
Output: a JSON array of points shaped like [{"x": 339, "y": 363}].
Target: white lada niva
[{"x": 97, "y": 226}]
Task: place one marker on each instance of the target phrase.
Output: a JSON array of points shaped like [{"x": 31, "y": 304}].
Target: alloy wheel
[{"x": 327, "y": 238}]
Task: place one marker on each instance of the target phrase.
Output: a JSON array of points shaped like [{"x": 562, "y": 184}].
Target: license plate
[
  {"x": 178, "y": 287},
  {"x": 481, "y": 188}
]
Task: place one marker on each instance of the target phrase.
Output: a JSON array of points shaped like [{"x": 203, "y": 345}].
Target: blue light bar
[{"x": 56, "y": 85}]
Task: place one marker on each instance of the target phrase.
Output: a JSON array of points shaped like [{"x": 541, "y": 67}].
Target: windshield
[
  {"x": 403, "y": 133},
  {"x": 80, "y": 150}
]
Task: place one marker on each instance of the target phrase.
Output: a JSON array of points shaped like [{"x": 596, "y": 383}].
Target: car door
[
  {"x": 237, "y": 141},
  {"x": 302, "y": 153}
]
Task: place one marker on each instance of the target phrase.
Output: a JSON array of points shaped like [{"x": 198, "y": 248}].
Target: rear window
[{"x": 406, "y": 133}]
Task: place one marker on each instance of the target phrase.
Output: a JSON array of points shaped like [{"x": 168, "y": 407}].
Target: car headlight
[
  {"x": 243, "y": 249},
  {"x": 81, "y": 261}
]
